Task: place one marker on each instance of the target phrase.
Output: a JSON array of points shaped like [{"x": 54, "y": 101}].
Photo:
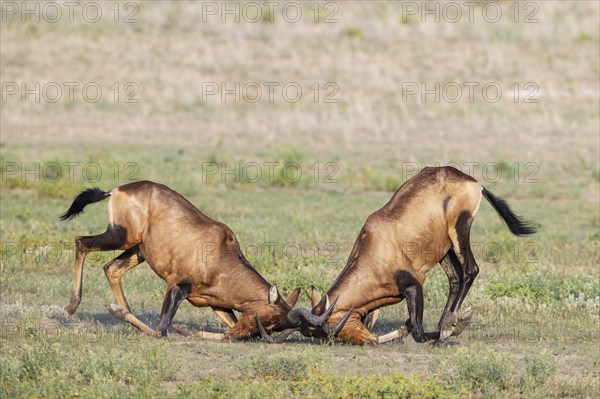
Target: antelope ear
[
  {"x": 273, "y": 294},
  {"x": 315, "y": 296},
  {"x": 321, "y": 306},
  {"x": 292, "y": 297}
]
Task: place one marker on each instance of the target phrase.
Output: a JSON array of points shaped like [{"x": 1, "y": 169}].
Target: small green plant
[
  {"x": 538, "y": 369},
  {"x": 481, "y": 370},
  {"x": 585, "y": 37},
  {"x": 593, "y": 235},
  {"x": 505, "y": 170},
  {"x": 353, "y": 32},
  {"x": 289, "y": 168},
  {"x": 281, "y": 367},
  {"x": 301, "y": 278}
]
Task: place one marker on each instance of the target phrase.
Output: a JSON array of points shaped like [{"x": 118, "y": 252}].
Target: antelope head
[{"x": 281, "y": 316}]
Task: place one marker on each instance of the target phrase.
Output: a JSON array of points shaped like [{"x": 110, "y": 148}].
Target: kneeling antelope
[
  {"x": 426, "y": 222},
  {"x": 199, "y": 258}
]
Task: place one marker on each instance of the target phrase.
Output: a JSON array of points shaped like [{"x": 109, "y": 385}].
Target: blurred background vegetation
[{"x": 327, "y": 160}]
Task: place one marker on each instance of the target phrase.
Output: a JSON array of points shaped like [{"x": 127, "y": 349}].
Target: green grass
[
  {"x": 543, "y": 290},
  {"x": 520, "y": 306},
  {"x": 530, "y": 296},
  {"x": 490, "y": 373},
  {"x": 101, "y": 371},
  {"x": 524, "y": 302},
  {"x": 536, "y": 329}
]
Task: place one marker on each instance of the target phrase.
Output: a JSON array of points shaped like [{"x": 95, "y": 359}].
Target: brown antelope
[
  {"x": 199, "y": 258},
  {"x": 427, "y": 221}
]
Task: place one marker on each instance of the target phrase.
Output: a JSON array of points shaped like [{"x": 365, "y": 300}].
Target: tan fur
[
  {"x": 183, "y": 246},
  {"x": 411, "y": 233}
]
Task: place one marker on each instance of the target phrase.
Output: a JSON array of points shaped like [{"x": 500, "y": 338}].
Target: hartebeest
[
  {"x": 199, "y": 258},
  {"x": 427, "y": 221}
]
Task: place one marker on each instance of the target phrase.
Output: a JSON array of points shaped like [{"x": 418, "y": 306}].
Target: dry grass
[
  {"x": 170, "y": 53},
  {"x": 536, "y": 322}
]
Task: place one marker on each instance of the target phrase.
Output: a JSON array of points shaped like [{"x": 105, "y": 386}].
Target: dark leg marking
[
  {"x": 172, "y": 300},
  {"x": 414, "y": 300},
  {"x": 451, "y": 265},
  {"x": 412, "y": 290},
  {"x": 113, "y": 238},
  {"x": 469, "y": 266}
]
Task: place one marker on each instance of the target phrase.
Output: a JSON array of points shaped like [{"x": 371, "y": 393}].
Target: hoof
[
  {"x": 448, "y": 326},
  {"x": 454, "y": 324},
  {"x": 463, "y": 320},
  {"x": 445, "y": 334},
  {"x": 116, "y": 311},
  {"x": 182, "y": 329},
  {"x": 403, "y": 332}
]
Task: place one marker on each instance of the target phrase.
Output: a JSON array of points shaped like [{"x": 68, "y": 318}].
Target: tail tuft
[
  {"x": 84, "y": 198},
  {"x": 516, "y": 225}
]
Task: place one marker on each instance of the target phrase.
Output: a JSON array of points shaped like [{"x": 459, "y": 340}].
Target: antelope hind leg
[
  {"x": 454, "y": 324},
  {"x": 463, "y": 321}
]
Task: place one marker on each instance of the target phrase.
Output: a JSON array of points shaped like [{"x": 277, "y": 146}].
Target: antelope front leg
[
  {"x": 175, "y": 295},
  {"x": 121, "y": 314},
  {"x": 237, "y": 329},
  {"x": 370, "y": 319},
  {"x": 187, "y": 332},
  {"x": 241, "y": 329},
  {"x": 355, "y": 332},
  {"x": 414, "y": 299},
  {"x": 400, "y": 333},
  {"x": 226, "y": 316}
]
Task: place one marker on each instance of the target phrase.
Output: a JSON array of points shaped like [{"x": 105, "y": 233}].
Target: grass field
[{"x": 295, "y": 176}]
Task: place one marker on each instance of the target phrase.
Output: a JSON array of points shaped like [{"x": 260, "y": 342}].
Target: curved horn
[
  {"x": 295, "y": 314},
  {"x": 273, "y": 340},
  {"x": 283, "y": 335},
  {"x": 261, "y": 329},
  {"x": 333, "y": 330}
]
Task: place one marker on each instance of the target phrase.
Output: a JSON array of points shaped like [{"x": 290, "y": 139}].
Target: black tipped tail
[
  {"x": 516, "y": 225},
  {"x": 86, "y": 197}
]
